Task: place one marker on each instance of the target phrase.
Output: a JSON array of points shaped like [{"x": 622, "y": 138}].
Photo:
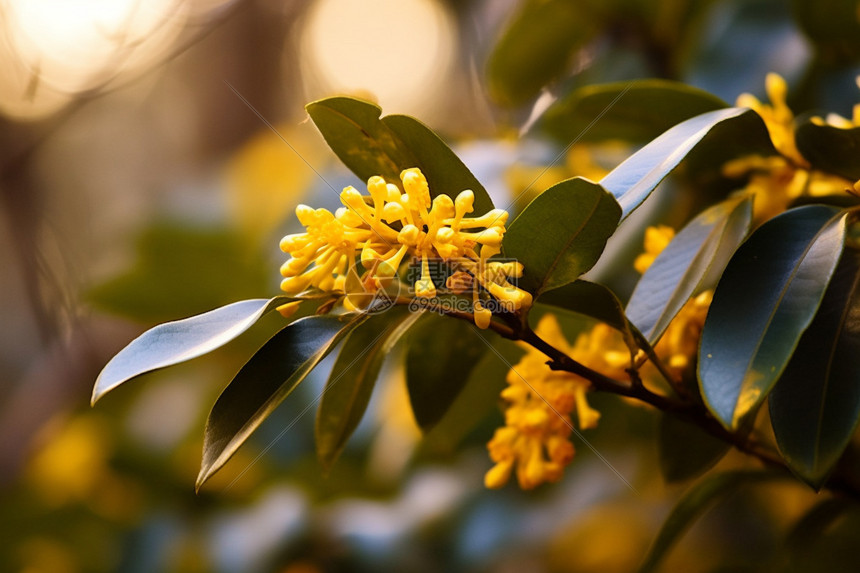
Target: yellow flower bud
[
  {"x": 483, "y": 316},
  {"x": 409, "y": 235},
  {"x": 464, "y": 203},
  {"x": 499, "y": 474},
  {"x": 289, "y": 309},
  {"x": 393, "y": 212}
]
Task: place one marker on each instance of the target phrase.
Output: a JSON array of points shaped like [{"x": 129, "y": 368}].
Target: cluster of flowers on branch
[{"x": 383, "y": 229}]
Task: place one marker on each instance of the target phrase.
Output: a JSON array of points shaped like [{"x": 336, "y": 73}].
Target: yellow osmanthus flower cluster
[
  {"x": 776, "y": 181},
  {"x": 382, "y": 229},
  {"x": 534, "y": 442}
]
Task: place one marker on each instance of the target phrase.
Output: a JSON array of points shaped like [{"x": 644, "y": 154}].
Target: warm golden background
[{"x": 140, "y": 182}]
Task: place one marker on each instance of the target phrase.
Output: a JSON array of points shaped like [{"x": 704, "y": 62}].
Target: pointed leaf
[
  {"x": 830, "y": 148},
  {"x": 815, "y": 406},
  {"x": 478, "y": 399},
  {"x": 687, "y": 451},
  {"x": 263, "y": 383},
  {"x": 695, "y": 502},
  {"x": 371, "y": 146},
  {"x": 561, "y": 233},
  {"x": 700, "y": 250},
  {"x": 633, "y": 180},
  {"x": 445, "y": 172},
  {"x": 638, "y": 110},
  {"x": 441, "y": 355},
  {"x": 766, "y": 298},
  {"x": 595, "y": 301},
  {"x": 353, "y": 377},
  {"x": 174, "y": 342}
]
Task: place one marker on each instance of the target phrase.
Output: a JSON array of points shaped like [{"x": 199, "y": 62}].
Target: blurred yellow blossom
[
  {"x": 656, "y": 239},
  {"x": 382, "y": 229},
  {"x": 535, "y": 439},
  {"x": 777, "y": 116},
  {"x": 776, "y": 181}
]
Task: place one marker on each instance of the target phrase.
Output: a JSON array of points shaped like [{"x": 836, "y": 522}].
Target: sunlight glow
[
  {"x": 53, "y": 50},
  {"x": 399, "y": 52}
]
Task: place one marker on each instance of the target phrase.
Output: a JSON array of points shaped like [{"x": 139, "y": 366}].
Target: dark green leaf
[
  {"x": 810, "y": 528},
  {"x": 687, "y": 451},
  {"x": 639, "y": 110},
  {"x": 353, "y": 377},
  {"x": 476, "y": 401},
  {"x": 595, "y": 301},
  {"x": 764, "y": 302},
  {"x": 441, "y": 355},
  {"x": 174, "y": 342},
  {"x": 536, "y": 47},
  {"x": 263, "y": 383},
  {"x": 700, "y": 250},
  {"x": 633, "y": 180},
  {"x": 830, "y": 149},
  {"x": 815, "y": 406},
  {"x": 693, "y": 504},
  {"x": 372, "y": 146},
  {"x": 561, "y": 233}
]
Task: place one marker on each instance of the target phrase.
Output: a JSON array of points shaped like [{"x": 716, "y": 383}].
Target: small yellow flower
[
  {"x": 777, "y": 116},
  {"x": 382, "y": 229},
  {"x": 656, "y": 239},
  {"x": 777, "y": 181},
  {"x": 534, "y": 442}
]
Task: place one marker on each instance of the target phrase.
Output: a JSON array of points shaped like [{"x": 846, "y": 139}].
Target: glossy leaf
[
  {"x": 263, "y": 383},
  {"x": 695, "y": 502},
  {"x": 686, "y": 451},
  {"x": 815, "y": 405},
  {"x": 638, "y": 110},
  {"x": 442, "y": 352},
  {"x": 698, "y": 251},
  {"x": 181, "y": 340},
  {"x": 595, "y": 301},
  {"x": 478, "y": 399},
  {"x": 371, "y": 146},
  {"x": 561, "y": 233},
  {"x": 353, "y": 378},
  {"x": 536, "y": 47},
  {"x": 764, "y": 302},
  {"x": 830, "y": 149},
  {"x": 634, "y": 180}
]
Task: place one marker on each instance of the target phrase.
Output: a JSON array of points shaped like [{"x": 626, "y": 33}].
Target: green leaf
[
  {"x": 372, "y": 146},
  {"x": 815, "y": 406},
  {"x": 174, "y": 342},
  {"x": 693, "y": 504},
  {"x": 700, "y": 250},
  {"x": 561, "y": 233},
  {"x": 263, "y": 383},
  {"x": 353, "y": 377},
  {"x": 638, "y": 110},
  {"x": 595, "y": 301},
  {"x": 632, "y": 181},
  {"x": 478, "y": 399},
  {"x": 765, "y": 300},
  {"x": 687, "y": 451},
  {"x": 442, "y": 353},
  {"x": 830, "y": 149},
  {"x": 536, "y": 48}
]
